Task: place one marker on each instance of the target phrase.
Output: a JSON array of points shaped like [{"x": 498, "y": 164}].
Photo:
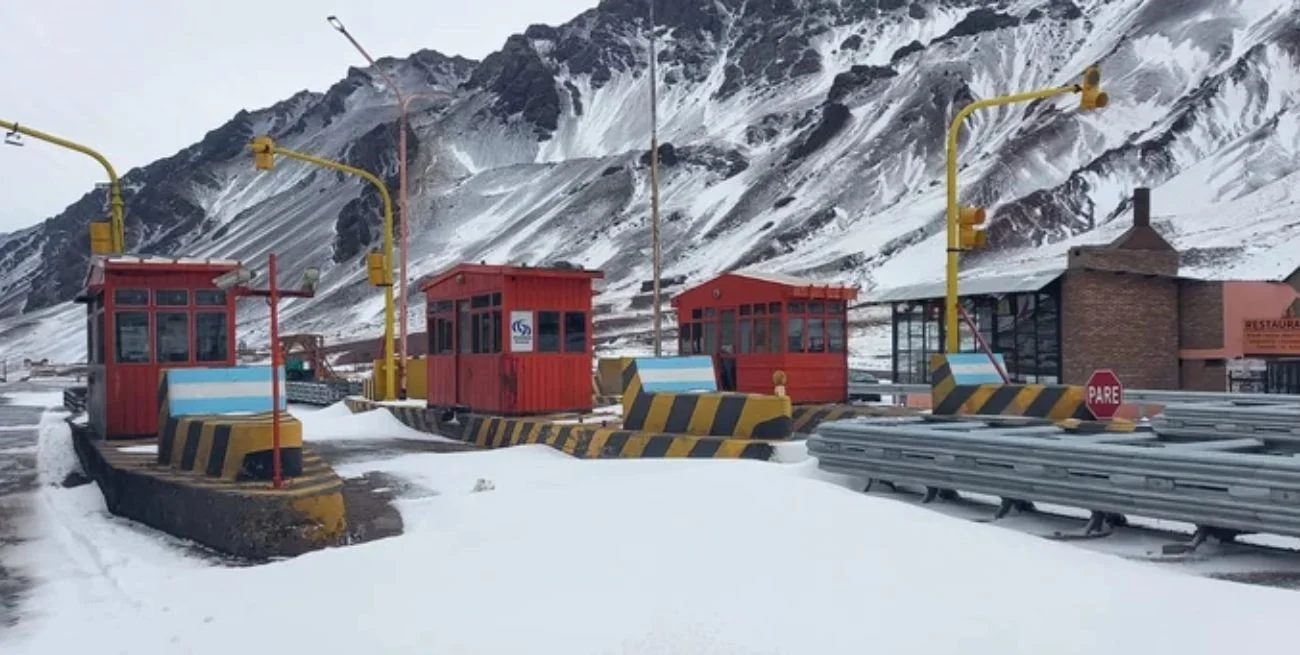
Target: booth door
[{"x": 726, "y": 359}]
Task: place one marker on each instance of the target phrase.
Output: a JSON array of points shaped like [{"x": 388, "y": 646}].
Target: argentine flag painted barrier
[{"x": 226, "y": 390}]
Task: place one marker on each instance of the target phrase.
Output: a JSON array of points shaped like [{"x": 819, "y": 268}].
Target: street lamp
[
  {"x": 964, "y": 223},
  {"x": 656, "y": 252},
  {"x": 105, "y": 238},
  {"x": 379, "y": 266},
  {"x": 403, "y": 101}
]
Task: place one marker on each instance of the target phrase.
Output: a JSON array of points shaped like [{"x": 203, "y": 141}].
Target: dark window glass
[
  {"x": 684, "y": 339},
  {"x": 834, "y": 307},
  {"x": 746, "y": 310},
  {"x": 496, "y": 331},
  {"x": 210, "y": 337},
  {"x": 774, "y": 308},
  {"x": 710, "y": 339},
  {"x": 1049, "y": 347},
  {"x": 209, "y": 297},
  {"x": 446, "y": 341},
  {"x": 835, "y": 335},
  {"x": 816, "y": 308},
  {"x": 710, "y": 312},
  {"x": 99, "y": 336},
  {"x": 728, "y": 344},
  {"x": 548, "y": 332},
  {"x": 816, "y": 335},
  {"x": 575, "y": 332},
  {"x": 173, "y": 336},
  {"x": 476, "y": 339},
  {"x": 796, "y": 308},
  {"x": 484, "y": 300},
  {"x": 443, "y": 306},
  {"x": 697, "y": 314},
  {"x": 794, "y": 335},
  {"x": 747, "y": 336},
  {"x": 131, "y": 297},
  {"x": 466, "y": 329},
  {"x": 760, "y": 335},
  {"x": 171, "y": 297},
  {"x": 697, "y": 338},
  {"x": 760, "y": 309},
  {"x": 131, "y": 337},
  {"x": 496, "y": 299},
  {"x": 774, "y": 335}
]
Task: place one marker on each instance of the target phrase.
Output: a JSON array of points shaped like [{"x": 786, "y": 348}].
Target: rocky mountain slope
[{"x": 801, "y": 136}]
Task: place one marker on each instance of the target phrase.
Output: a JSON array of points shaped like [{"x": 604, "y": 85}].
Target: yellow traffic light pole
[
  {"x": 380, "y": 272},
  {"x": 963, "y": 221},
  {"x": 117, "y": 229}
]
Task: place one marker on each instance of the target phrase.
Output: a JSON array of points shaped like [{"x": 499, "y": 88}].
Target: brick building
[{"x": 1121, "y": 305}]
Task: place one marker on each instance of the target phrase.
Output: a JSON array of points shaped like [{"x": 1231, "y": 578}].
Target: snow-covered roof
[
  {"x": 978, "y": 284},
  {"x": 155, "y": 259},
  {"x": 790, "y": 280}
]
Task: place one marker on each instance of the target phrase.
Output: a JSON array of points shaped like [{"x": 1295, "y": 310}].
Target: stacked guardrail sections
[{"x": 1224, "y": 482}]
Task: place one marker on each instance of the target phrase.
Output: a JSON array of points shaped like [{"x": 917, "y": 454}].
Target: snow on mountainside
[{"x": 801, "y": 136}]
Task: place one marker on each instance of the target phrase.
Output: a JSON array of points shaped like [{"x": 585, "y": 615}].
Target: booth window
[
  {"x": 99, "y": 331},
  {"x": 132, "y": 297},
  {"x": 575, "y": 332},
  {"x": 548, "y": 332},
  {"x": 131, "y": 337},
  {"x": 835, "y": 335},
  {"x": 210, "y": 337},
  {"x": 173, "y": 336},
  {"x": 466, "y": 329},
  {"x": 484, "y": 324},
  {"x": 171, "y": 297},
  {"x": 210, "y": 297}
]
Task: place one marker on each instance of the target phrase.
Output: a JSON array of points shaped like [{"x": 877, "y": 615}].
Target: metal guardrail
[
  {"x": 1231, "y": 420},
  {"x": 1115, "y": 474},
  {"x": 320, "y": 393},
  {"x": 1158, "y": 396}
]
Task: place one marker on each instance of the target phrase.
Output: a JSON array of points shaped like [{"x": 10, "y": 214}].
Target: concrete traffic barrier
[
  {"x": 956, "y": 390},
  {"x": 678, "y": 395}
]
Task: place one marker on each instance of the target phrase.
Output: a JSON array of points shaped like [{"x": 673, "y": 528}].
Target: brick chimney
[{"x": 1142, "y": 207}]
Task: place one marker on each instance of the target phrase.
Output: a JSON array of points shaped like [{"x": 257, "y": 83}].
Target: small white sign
[{"x": 521, "y": 331}]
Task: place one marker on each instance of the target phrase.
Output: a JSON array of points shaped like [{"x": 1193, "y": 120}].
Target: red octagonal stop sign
[{"x": 1104, "y": 394}]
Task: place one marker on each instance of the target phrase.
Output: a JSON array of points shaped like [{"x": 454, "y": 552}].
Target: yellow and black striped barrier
[
  {"x": 705, "y": 414},
  {"x": 230, "y": 447},
  {"x": 588, "y": 441},
  {"x": 1057, "y": 402}
]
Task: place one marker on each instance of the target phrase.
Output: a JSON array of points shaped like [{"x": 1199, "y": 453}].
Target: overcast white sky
[{"x": 140, "y": 79}]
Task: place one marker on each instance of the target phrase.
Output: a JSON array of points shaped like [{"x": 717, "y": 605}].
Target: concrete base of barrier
[
  {"x": 245, "y": 519},
  {"x": 589, "y": 440}
]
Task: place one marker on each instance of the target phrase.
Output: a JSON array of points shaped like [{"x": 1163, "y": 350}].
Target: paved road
[{"x": 18, "y": 435}]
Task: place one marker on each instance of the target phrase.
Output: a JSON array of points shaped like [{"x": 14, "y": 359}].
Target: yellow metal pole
[
  {"x": 390, "y": 371},
  {"x": 114, "y": 186},
  {"x": 952, "y": 342}
]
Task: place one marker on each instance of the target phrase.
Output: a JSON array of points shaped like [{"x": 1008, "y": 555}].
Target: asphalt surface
[{"x": 18, "y": 438}]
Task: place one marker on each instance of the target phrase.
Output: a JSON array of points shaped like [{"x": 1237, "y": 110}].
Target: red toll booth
[
  {"x": 510, "y": 340},
  {"x": 144, "y": 315},
  {"x": 755, "y": 324}
]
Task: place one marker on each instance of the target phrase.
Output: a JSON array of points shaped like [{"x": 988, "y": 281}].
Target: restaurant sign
[{"x": 1271, "y": 336}]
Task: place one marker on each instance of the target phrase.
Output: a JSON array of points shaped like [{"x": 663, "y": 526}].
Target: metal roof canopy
[{"x": 1021, "y": 282}]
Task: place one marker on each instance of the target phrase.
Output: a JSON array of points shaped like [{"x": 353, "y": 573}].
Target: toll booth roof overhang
[
  {"x": 100, "y": 265},
  {"x": 502, "y": 270}
]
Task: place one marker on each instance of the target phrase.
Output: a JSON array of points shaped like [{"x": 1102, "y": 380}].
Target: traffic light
[
  {"x": 378, "y": 271},
  {"x": 970, "y": 235},
  {"x": 263, "y": 153},
  {"x": 101, "y": 237},
  {"x": 1091, "y": 95}
]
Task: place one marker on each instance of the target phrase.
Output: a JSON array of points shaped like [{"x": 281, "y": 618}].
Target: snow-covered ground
[{"x": 632, "y": 556}]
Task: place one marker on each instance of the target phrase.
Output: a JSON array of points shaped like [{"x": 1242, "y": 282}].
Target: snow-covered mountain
[{"x": 800, "y": 136}]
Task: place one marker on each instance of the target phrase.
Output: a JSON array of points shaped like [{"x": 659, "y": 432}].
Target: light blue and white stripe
[
  {"x": 676, "y": 374},
  {"x": 970, "y": 368},
  {"x": 226, "y": 390}
]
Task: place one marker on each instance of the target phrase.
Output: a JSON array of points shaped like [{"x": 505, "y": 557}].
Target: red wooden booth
[
  {"x": 756, "y": 324},
  {"x": 143, "y": 315},
  {"x": 510, "y": 340}
]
